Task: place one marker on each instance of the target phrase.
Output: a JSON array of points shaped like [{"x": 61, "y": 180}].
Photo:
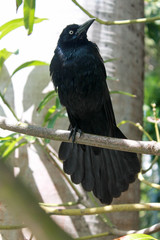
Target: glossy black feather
[{"x": 79, "y": 74}]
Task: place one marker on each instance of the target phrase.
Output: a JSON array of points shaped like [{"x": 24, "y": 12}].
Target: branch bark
[{"x": 143, "y": 147}]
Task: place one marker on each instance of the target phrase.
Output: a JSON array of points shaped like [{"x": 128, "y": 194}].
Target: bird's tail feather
[{"x": 105, "y": 172}]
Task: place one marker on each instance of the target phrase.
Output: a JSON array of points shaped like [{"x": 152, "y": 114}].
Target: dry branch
[{"x": 143, "y": 147}]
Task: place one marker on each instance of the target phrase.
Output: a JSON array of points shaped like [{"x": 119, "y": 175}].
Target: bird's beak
[{"x": 84, "y": 27}]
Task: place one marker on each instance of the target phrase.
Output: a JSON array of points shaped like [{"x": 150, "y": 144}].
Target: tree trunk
[{"x": 124, "y": 43}]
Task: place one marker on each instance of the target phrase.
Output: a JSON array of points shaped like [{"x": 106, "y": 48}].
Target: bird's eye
[{"x": 71, "y": 32}]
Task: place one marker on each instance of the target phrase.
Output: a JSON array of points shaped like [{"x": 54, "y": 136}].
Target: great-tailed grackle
[{"x": 78, "y": 72}]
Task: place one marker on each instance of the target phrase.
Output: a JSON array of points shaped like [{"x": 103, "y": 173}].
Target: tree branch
[
  {"x": 106, "y": 209},
  {"x": 115, "y": 231},
  {"x": 118, "y": 22},
  {"x": 143, "y": 147},
  {"x": 153, "y": 185},
  {"x": 11, "y": 227}
]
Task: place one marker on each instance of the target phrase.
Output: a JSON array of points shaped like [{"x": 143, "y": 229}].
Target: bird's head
[{"x": 75, "y": 33}]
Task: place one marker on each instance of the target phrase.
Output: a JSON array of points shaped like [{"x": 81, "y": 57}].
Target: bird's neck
[{"x": 72, "y": 45}]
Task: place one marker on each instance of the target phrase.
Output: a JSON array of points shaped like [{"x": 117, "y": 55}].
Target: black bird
[{"x": 78, "y": 72}]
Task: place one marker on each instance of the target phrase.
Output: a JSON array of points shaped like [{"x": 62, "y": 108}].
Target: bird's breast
[{"x": 82, "y": 81}]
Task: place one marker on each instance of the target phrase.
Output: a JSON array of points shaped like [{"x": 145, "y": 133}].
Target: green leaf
[
  {"x": 7, "y": 138},
  {"x": 112, "y": 78},
  {"x": 124, "y": 93},
  {"x": 10, "y": 26},
  {"x": 137, "y": 236},
  {"x": 4, "y": 55},
  {"x": 29, "y": 64},
  {"x": 46, "y": 99},
  {"x": 51, "y": 123},
  {"x": 29, "y": 10},
  {"x": 48, "y": 114},
  {"x": 18, "y": 3},
  {"x": 15, "y": 23},
  {"x": 110, "y": 60},
  {"x": 58, "y": 104},
  {"x": 9, "y": 146}
]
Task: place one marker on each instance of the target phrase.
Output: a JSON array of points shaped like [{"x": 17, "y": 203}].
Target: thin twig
[
  {"x": 150, "y": 230},
  {"x": 103, "y": 216},
  {"x": 155, "y": 122},
  {"x": 11, "y": 227},
  {"x": 153, "y": 185},
  {"x": 145, "y": 147},
  {"x": 67, "y": 204},
  {"x": 115, "y": 231},
  {"x": 138, "y": 125},
  {"x": 118, "y": 22},
  {"x": 150, "y": 167},
  {"x": 106, "y": 209}
]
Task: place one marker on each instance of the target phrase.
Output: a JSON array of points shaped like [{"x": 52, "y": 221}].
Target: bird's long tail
[{"x": 105, "y": 172}]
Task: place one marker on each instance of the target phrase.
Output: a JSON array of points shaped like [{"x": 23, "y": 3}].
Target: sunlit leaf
[
  {"x": 52, "y": 121},
  {"x": 46, "y": 99},
  {"x": 29, "y": 64},
  {"x": 10, "y": 146},
  {"x": 110, "y": 60},
  {"x": 4, "y": 55},
  {"x": 10, "y": 150},
  {"x": 11, "y": 142},
  {"x": 8, "y": 138},
  {"x": 112, "y": 78},
  {"x": 18, "y": 3},
  {"x": 48, "y": 114},
  {"x": 136, "y": 236},
  {"x": 15, "y": 23},
  {"x": 28, "y": 11},
  {"x": 124, "y": 93},
  {"x": 58, "y": 104}
]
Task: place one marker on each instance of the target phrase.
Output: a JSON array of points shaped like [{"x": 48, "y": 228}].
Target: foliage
[
  {"x": 14, "y": 24},
  {"x": 29, "y": 10},
  {"x": 151, "y": 95},
  {"x": 4, "y": 55},
  {"x": 11, "y": 142},
  {"x": 29, "y": 64},
  {"x": 56, "y": 111}
]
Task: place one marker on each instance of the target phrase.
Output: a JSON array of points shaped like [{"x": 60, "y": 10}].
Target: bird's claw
[{"x": 74, "y": 132}]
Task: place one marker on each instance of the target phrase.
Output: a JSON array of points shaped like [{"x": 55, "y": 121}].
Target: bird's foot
[{"x": 73, "y": 133}]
